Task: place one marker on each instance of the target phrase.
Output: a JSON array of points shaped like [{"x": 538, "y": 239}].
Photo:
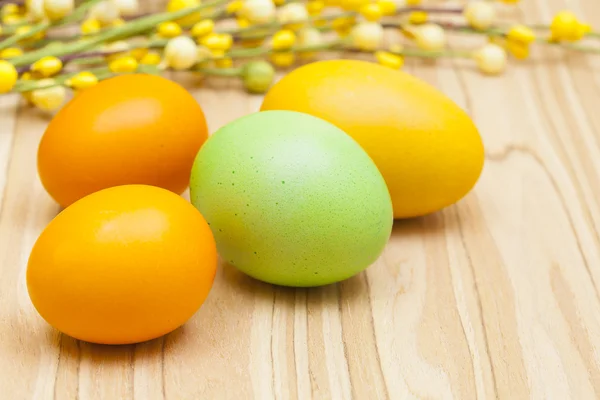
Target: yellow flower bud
[
  {"x": 105, "y": 12},
  {"x": 90, "y": 26},
  {"x": 203, "y": 28},
  {"x": 50, "y": 96},
  {"x": 283, "y": 59},
  {"x": 353, "y": 5},
  {"x": 127, "y": 7},
  {"x": 310, "y": 37},
  {"x": 314, "y": 7},
  {"x": 47, "y": 66},
  {"x": 123, "y": 65},
  {"x": 181, "y": 53},
  {"x": 480, "y": 14},
  {"x": 388, "y": 7},
  {"x": 35, "y": 9},
  {"x": 389, "y": 60},
  {"x": 224, "y": 62},
  {"x": 8, "y": 76},
  {"x": 521, "y": 34},
  {"x": 343, "y": 25},
  {"x": 283, "y": 39},
  {"x": 11, "y": 19},
  {"x": 151, "y": 58},
  {"x": 10, "y": 9},
  {"x": 418, "y": 17},
  {"x": 292, "y": 14},
  {"x": 226, "y": 41},
  {"x": 176, "y": 5},
  {"x": 566, "y": 26},
  {"x": 258, "y": 11},
  {"x": 10, "y": 52},
  {"x": 217, "y": 41},
  {"x": 491, "y": 59},
  {"x": 242, "y": 22},
  {"x": 168, "y": 29},
  {"x": 234, "y": 6},
  {"x": 138, "y": 53},
  {"x": 279, "y": 2},
  {"x": 57, "y": 9},
  {"x": 367, "y": 36},
  {"x": 371, "y": 12},
  {"x": 413, "y": 2},
  {"x": 83, "y": 80},
  {"x": 430, "y": 37}
]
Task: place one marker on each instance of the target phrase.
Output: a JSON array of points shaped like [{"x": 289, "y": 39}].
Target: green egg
[{"x": 291, "y": 199}]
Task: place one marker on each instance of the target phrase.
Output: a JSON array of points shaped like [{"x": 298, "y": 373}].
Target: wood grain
[{"x": 495, "y": 297}]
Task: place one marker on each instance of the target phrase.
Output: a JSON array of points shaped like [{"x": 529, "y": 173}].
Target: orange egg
[
  {"x": 131, "y": 129},
  {"x": 122, "y": 265}
]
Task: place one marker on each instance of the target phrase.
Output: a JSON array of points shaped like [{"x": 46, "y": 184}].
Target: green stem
[
  {"x": 60, "y": 39},
  {"x": 128, "y": 29},
  {"x": 14, "y": 39},
  {"x": 87, "y": 61},
  {"x": 571, "y": 46},
  {"x": 540, "y": 27},
  {"x": 467, "y": 29},
  {"x": 261, "y": 51},
  {"x": 227, "y": 72}
]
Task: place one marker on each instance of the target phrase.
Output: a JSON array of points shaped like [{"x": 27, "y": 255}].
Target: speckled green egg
[{"x": 291, "y": 199}]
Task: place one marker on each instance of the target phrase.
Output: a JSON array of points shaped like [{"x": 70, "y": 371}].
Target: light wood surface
[{"x": 495, "y": 297}]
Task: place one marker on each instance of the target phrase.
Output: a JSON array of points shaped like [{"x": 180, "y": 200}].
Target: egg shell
[
  {"x": 130, "y": 129},
  {"x": 122, "y": 265},
  {"x": 291, "y": 199},
  {"x": 427, "y": 148}
]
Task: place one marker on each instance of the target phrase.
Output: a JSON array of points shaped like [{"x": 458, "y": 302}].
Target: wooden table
[{"x": 495, "y": 297}]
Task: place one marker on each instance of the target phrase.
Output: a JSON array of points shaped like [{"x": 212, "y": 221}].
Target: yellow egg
[{"x": 427, "y": 148}]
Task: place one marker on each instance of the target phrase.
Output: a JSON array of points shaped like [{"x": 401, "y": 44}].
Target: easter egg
[
  {"x": 427, "y": 149},
  {"x": 122, "y": 265},
  {"x": 131, "y": 129},
  {"x": 291, "y": 199}
]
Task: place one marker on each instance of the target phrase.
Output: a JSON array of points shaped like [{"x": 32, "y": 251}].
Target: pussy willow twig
[
  {"x": 125, "y": 30},
  {"x": 42, "y": 26}
]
